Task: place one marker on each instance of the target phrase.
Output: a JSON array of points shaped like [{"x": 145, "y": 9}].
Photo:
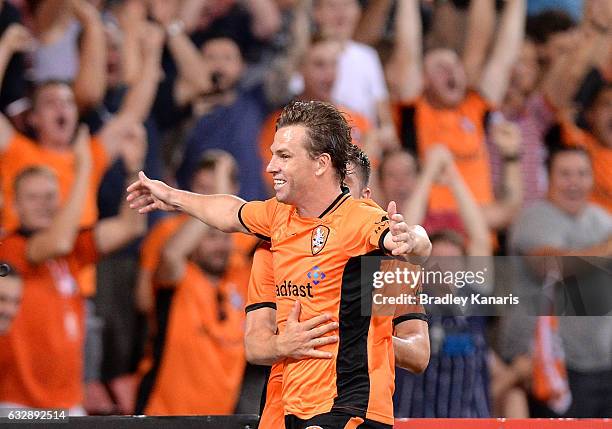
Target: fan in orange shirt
[
  {"x": 444, "y": 98},
  {"x": 318, "y": 69},
  {"x": 198, "y": 360},
  {"x": 42, "y": 351},
  {"x": 53, "y": 119},
  {"x": 318, "y": 234},
  {"x": 597, "y": 143}
]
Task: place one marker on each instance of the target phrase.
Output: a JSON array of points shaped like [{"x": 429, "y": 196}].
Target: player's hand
[
  {"x": 146, "y": 195},
  {"x": 300, "y": 340},
  {"x": 401, "y": 235}
]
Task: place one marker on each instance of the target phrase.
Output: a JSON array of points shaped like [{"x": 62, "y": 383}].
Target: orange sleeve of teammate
[
  {"x": 257, "y": 217},
  {"x": 373, "y": 226},
  {"x": 261, "y": 291}
]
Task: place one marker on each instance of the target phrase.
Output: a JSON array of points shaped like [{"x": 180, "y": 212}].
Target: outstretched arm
[
  {"x": 218, "y": 211},
  {"x": 496, "y": 75}
]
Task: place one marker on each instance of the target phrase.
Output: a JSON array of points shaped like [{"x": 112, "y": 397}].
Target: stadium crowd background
[{"x": 488, "y": 122}]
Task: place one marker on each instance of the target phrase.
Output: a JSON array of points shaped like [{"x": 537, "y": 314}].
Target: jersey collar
[{"x": 344, "y": 195}]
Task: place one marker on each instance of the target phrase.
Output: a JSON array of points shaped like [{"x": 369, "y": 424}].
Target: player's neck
[{"x": 318, "y": 200}]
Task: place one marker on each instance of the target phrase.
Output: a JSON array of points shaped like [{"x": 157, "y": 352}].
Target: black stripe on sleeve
[
  {"x": 260, "y": 236},
  {"x": 410, "y": 316},
  {"x": 381, "y": 241},
  {"x": 240, "y": 217},
  {"x": 259, "y": 305}
]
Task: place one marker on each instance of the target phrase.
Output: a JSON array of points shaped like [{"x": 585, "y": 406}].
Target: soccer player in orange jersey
[
  {"x": 261, "y": 312},
  {"x": 318, "y": 234}
]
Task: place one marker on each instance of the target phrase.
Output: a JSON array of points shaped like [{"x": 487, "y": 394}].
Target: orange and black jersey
[{"x": 317, "y": 261}]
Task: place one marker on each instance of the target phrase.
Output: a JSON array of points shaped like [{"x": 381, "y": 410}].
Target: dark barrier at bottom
[
  {"x": 250, "y": 422},
  {"x": 131, "y": 422}
]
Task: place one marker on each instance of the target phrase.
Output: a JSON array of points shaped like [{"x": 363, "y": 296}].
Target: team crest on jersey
[{"x": 319, "y": 238}]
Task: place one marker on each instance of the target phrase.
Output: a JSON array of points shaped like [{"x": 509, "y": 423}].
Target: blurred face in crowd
[
  {"x": 319, "y": 70},
  {"x": 337, "y": 19},
  {"x": 37, "y": 201},
  {"x": 570, "y": 181},
  {"x": 292, "y": 168},
  {"x": 447, "y": 254},
  {"x": 398, "y": 177},
  {"x": 445, "y": 79},
  {"x": 354, "y": 182},
  {"x": 558, "y": 44},
  {"x": 223, "y": 57},
  {"x": 10, "y": 297},
  {"x": 600, "y": 117},
  {"x": 446, "y": 248},
  {"x": 212, "y": 255},
  {"x": 523, "y": 79},
  {"x": 204, "y": 182},
  {"x": 55, "y": 115}
]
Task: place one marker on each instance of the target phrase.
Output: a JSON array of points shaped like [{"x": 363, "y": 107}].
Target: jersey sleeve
[
  {"x": 257, "y": 217},
  {"x": 371, "y": 225},
  {"x": 261, "y": 292}
]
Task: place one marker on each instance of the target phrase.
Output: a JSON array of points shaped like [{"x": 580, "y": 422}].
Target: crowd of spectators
[{"x": 488, "y": 122}]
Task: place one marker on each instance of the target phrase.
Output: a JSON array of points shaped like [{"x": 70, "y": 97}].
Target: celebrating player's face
[{"x": 291, "y": 166}]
